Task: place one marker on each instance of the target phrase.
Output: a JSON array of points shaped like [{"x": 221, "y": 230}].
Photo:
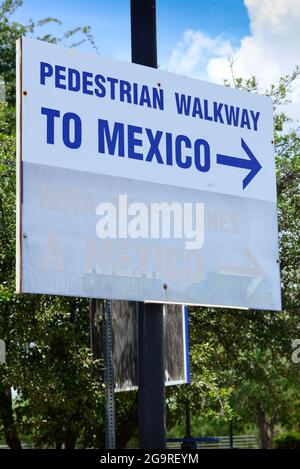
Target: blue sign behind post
[{"x": 141, "y": 184}]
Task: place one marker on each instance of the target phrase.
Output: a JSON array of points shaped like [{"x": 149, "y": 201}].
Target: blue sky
[
  {"x": 197, "y": 38},
  {"x": 110, "y": 21}
]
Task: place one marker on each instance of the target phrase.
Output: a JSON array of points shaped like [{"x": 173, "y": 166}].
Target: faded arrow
[
  {"x": 250, "y": 163},
  {"x": 256, "y": 272}
]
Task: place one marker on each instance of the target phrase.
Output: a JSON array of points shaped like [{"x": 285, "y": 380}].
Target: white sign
[{"x": 139, "y": 184}]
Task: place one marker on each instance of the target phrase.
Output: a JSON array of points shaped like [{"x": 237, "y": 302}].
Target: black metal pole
[
  {"x": 143, "y": 32},
  {"x": 231, "y": 434},
  {"x": 151, "y": 377},
  {"x": 151, "y": 365}
]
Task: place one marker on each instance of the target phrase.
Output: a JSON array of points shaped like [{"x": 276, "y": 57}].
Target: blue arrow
[{"x": 252, "y": 163}]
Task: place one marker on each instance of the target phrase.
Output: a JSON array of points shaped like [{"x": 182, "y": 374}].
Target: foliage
[
  {"x": 251, "y": 351},
  {"x": 287, "y": 441},
  {"x": 49, "y": 363}
]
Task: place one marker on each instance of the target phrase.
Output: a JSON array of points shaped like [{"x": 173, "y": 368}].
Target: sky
[{"x": 196, "y": 38}]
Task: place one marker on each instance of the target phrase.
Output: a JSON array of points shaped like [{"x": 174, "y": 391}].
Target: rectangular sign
[
  {"x": 139, "y": 184},
  {"x": 125, "y": 345}
]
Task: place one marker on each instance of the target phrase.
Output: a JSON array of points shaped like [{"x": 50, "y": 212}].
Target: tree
[
  {"x": 49, "y": 362},
  {"x": 244, "y": 358},
  {"x": 250, "y": 352}
]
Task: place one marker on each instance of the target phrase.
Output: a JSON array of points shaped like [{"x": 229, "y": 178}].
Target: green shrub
[{"x": 289, "y": 440}]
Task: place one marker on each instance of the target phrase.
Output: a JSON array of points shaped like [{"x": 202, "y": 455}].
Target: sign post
[
  {"x": 110, "y": 424},
  {"x": 151, "y": 360}
]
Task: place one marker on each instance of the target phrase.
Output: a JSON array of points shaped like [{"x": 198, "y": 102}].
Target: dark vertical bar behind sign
[
  {"x": 143, "y": 32},
  {"x": 151, "y": 366}
]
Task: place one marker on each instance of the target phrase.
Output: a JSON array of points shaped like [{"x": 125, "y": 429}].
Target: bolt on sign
[{"x": 138, "y": 184}]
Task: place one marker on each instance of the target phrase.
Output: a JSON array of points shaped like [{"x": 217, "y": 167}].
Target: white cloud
[
  {"x": 194, "y": 51},
  {"x": 269, "y": 52}
]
